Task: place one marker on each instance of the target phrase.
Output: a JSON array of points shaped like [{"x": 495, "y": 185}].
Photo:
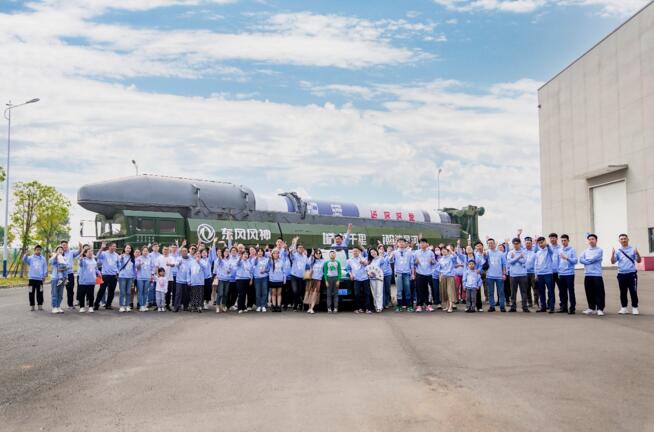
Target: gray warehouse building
[{"x": 597, "y": 141}]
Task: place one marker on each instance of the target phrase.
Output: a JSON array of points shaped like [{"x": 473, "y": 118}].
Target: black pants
[
  {"x": 422, "y": 286},
  {"x": 70, "y": 289},
  {"x": 507, "y": 292},
  {"x": 479, "y": 302},
  {"x": 297, "y": 285},
  {"x": 567, "y": 293},
  {"x": 170, "y": 293},
  {"x": 594, "y": 286},
  {"x": 36, "y": 288},
  {"x": 108, "y": 284},
  {"x": 628, "y": 282},
  {"x": 557, "y": 283},
  {"x": 232, "y": 294},
  {"x": 518, "y": 282},
  {"x": 362, "y": 294},
  {"x": 242, "y": 288},
  {"x": 180, "y": 288},
  {"x": 85, "y": 292},
  {"x": 207, "y": 289}
]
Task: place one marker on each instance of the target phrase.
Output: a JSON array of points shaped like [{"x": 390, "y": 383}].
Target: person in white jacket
[{"x": 376, "y": 275}]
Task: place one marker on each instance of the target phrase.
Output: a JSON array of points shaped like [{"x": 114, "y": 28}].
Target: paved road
[{"x": 389, "y": 372}]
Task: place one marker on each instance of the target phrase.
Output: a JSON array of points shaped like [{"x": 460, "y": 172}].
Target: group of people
[{"x": 281, "y": 277}]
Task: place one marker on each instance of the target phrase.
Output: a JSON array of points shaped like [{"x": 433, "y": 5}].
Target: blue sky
[{"x": 359, "y": 101}]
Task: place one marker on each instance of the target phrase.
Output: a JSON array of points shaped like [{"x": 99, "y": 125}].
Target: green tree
[
  {"x": 53, "y": 221},
  {"x": 32, "y": 201}
]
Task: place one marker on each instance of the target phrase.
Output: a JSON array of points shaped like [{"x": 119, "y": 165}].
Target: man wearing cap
[
  {"x": 567, "y": 261},
  {"x": 593, "y": 280},
  {"x": 626, "y": 257},
  {"x": 544, "y": 279},
  {"x": 517, "y": 263},
  {"x": 36, "y": 275}
]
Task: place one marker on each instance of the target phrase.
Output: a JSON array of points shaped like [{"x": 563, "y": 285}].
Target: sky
[{"x": 359, "y": 101}]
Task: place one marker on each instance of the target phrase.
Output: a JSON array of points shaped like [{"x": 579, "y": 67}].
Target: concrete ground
[{"x": 291, "y": 371}]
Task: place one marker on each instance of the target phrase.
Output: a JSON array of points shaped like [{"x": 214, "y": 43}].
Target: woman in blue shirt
[
  {"x": 312, "y": 296},
  {"x": 243, "y": 279},
  {"x": 260, "y": 264},
  {"x": 125, "y": 277},
  {"x": 276, "y": 279},
  {"x": 86, "y": 275}
]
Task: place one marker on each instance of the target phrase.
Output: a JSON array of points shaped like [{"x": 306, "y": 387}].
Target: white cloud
[
  {"x": 55, "y": 30},
  {"x": 84, "y": 131},
  {"x": 609, "y": 7}
]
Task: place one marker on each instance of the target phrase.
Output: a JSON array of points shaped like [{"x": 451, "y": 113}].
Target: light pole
[
  {"x": 136, "y": 167},
  {"x": 7, "y": 115},
  {"x": 438, "y": 189}
]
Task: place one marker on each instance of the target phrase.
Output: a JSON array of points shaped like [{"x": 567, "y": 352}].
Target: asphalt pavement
[{"x": 291, "y": 371}]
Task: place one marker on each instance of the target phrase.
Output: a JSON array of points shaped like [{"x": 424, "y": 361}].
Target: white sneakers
[
  {"x": 90, "y": 309},
  {"x": 143, "y": 309},
  {"x": 205, "y": 306},
  {"x": 600, "y": 312},
  {"x": 589, "y": 312},
  {"x": 263, "y": 309},
  {"x": 634, "y": 311},
  {"x": 128, "y": 309},
  {"x": 258, "y": 309},
  {"x": 622, "y": 311},
  {"x": 122, "y": 309},
  {"x": 82, "y": 310},
  {"x": 57, "y": 310},
  {"x": 218, "y": 309}
]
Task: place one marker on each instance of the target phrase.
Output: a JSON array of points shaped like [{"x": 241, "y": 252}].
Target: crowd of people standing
[{"x": 283, "y": 277}]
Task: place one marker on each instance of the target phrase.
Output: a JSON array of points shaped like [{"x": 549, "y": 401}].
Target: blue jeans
[
  {"x": 152, "y": 294},
  {"x": 221, "y": 293},
  {"x": 261, "y": 290},
  {"x": 546, "y": 282},
  {"x": 142, "y": 290},
  {"x": 435, "y": 290},
  {"x": 403, "y": 284},
  {"x": 499, "y": 283},
  {"x": 57, "y": 293},
  {"x": 387, "y": 290},
  {"x": 125, "y": 291}
]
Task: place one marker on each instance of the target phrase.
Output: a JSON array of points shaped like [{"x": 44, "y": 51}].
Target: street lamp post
[
  {"x": 438, "y": 189},
  {"x": 136, "y": 167},
  {"x": 7, "y": 115}
]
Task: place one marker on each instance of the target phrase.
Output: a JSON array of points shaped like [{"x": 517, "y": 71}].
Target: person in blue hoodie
[
  {"x": 517, "y": 262},
  {"x": 356, "y": 267},
  {"x": 544, "y": 278},
  {"x": 223, "y": 272},
  {"x": 471, "y": 282},
  {"x": 36, "y": 275},
  {"x": 196, "y": 272},
  {"x": 424, "y": 261},
  {"x": 126, "y": 275},
  {"x": 385, "y": 264},
  {"x": 566, "y": 273},
  {"x": 312, "y": 294},
  {"x": 182, "y": 280},
  {"x": 108, "y": 260},
  {"x": 143, "y": 265},
  {"x": 243, "y": 279},
  {"x": 403, "y": 259},
  {"x": 87, "y": 274},
  {"x": 591, "y": 258},
  {"x": 626, "y": 257},
  {"x": 495, "y": 275},
  {"x": 260, "y": 272},
  {"x": 299, "y": 264},
  {"x": 276, "y": 279}
]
